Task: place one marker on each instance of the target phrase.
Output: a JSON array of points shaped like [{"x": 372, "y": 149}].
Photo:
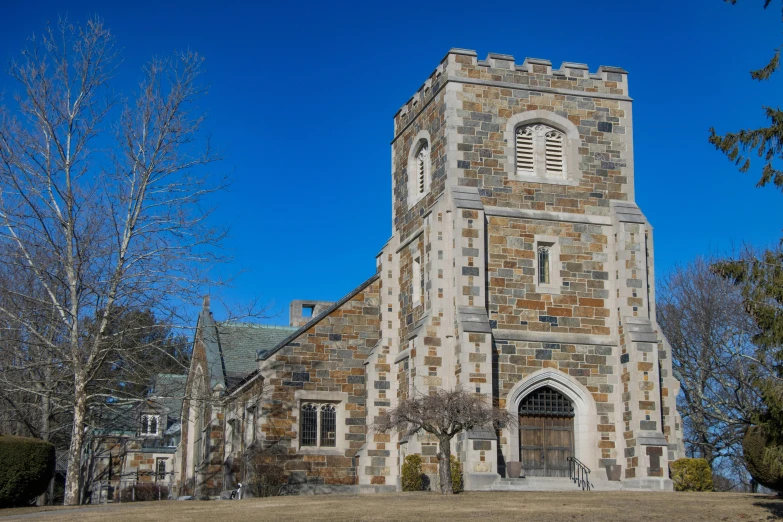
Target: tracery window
[
  {"x": 318, "y": 425},
  {"x": 540, "y": 151},
  {"x": 149, "y": 424}
]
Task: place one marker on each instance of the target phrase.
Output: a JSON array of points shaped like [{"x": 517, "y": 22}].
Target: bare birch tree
[
  {"x": 444, "y": 414},
  {"x": 101, "y": 211}
]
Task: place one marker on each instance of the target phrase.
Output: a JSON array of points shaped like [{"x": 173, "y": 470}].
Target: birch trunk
[{"x": 73, "y": 475}]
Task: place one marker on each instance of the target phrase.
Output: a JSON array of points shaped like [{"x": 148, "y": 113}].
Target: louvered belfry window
[
  {"x": 422, "y": 168},
  {"x": 540, "y": 151}
]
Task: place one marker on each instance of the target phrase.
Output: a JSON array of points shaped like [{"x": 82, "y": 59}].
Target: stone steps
[{"x": 549, "y": 484}]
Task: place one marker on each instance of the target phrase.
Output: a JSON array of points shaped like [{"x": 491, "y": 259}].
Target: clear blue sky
[{"x": 303, "y": 95}]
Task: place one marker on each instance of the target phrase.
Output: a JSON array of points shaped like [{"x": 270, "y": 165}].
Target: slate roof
[
  {"x": 241, "y": 343},
  {"x": 232, "y": 348},
  {"x": 167, "y": 392}
]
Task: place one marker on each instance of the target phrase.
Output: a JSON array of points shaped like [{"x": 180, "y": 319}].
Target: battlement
[{"x": 463, "y": 65}]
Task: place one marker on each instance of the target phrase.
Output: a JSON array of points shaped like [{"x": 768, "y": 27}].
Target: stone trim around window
[
  {"x": 555, "y": 281},
  {"x": 417, "y": 188},
  {"x": 571, "y": 144},
  {"x": 339, "y": 399}
]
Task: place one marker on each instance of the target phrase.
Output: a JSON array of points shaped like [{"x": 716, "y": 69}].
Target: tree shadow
[{"x": 773, "y": 504}]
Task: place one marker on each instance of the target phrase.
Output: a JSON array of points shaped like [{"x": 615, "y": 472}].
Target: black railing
[{"x": 579, "y": 473}]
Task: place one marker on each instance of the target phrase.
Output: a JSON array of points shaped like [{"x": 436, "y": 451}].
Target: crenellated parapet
[{"x": 463, "y": 65}]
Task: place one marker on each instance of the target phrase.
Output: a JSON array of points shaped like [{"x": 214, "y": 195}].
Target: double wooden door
[{"x": 545, "y": 443}]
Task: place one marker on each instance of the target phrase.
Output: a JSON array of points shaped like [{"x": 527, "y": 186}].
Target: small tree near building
[{"x": 444, "y": 414}]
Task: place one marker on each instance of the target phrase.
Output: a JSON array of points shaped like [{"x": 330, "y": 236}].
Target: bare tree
[
  {"x": 703, "y": 317},
  {"x": 444, "y": 414},
  {"x": 101, "y": 210}
]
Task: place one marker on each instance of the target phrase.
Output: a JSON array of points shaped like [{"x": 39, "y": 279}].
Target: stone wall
[{"x": 325, "y": 362}]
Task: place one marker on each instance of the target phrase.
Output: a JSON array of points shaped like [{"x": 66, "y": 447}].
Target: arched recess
[
  {"x": 414, "y": 196},
  {"x": 585, "y": 413},
  {"x": 572, "y": 143}
]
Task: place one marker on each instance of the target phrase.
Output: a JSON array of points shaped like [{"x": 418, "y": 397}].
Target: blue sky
[{"x": 303, "y": 93}]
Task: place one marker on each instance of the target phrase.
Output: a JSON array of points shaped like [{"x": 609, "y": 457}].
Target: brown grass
[{"x": 555, "y": 507}]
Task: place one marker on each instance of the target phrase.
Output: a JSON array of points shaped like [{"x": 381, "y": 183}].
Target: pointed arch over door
[{"x": 546, "y": 433}]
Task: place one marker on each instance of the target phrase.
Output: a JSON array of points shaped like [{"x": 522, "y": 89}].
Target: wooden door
[
  {"x": 546, "y": 433},
  {"x": 545, "y": 445}
]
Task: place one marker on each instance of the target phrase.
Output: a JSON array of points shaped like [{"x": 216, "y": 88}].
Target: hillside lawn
[{"x": 555, "y": 507}]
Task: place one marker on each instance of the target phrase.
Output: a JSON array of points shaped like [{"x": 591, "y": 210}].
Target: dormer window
[
  {"x": 540, "y": 151},
  {"x": 149, "y": 424}
]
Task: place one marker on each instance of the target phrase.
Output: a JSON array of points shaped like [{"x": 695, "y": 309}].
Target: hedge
[
  {"x": 753, "y": 447},
  {"x": 26, "y": 467},
  {"x": 691, "y": 475}
]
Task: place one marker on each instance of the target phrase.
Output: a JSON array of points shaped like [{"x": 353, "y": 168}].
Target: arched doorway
[{"x": 546, "y": 433}]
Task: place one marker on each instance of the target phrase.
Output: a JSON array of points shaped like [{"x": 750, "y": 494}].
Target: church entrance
[{"x": 546, "y": 433}]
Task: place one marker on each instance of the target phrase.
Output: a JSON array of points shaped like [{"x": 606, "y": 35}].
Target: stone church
[{"x": 519, "y": 268}]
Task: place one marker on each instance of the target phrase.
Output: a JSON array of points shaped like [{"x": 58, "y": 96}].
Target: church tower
[{"x": 521, "y": 268}]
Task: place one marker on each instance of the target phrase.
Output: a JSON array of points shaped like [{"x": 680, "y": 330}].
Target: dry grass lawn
[{"x": 555, "y": 507}]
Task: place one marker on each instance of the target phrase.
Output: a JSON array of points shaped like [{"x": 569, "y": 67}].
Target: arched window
[
  {"x": 328, "y": 425},
  {"x": 418, "y": 170},
  {"x": 319, "y": 425},
  {"x": 422, "y": 168},
  {"x": 540, "y": 151},
  {"x": 309, "y": 424},
  {"x": 547, "y": 402}
]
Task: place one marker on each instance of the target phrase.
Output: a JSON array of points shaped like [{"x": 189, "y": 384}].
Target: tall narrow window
[
  {"x": 417, "y": 282},
  {"x": 544, "y": 277},
  {"x": 153, "y": 427},
  {"x": 525, "y": 154},
  {"x": 160, "y": 471},
  {"x": 540, "y": 151},
  {"x": 309, "y": 425},
  {"x": 250, "y": 426},
  {"x": 328, "y": 425},
  {"x": 422, "y": 162},
  {"x": 555, "y": 166}
]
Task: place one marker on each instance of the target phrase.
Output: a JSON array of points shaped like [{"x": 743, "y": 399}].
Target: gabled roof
[
  {"x": 240, "y": 344},
  {"x": 167, "y": 392},
  {"x": 232, "y": 348},
  {"x": 296, "y": 332}
]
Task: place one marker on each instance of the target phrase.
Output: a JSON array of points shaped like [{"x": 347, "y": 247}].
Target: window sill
[
  {"x": 543, "y": 180},
  {"x": 316, "y": 450},
  {"x": 547, "y": 289}
]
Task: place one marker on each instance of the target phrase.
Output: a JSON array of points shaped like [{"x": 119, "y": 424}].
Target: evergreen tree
[{"x": 760, "y": 275}]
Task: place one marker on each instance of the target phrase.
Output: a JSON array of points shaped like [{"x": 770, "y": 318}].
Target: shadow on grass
[{"x": 772, "y": 504}]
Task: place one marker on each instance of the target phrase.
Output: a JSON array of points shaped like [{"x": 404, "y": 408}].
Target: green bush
[
  {"x": 412, "y": 477},
  {"x": 26, "y": 467},
  {"x": 691, "y": 475},
  {"x": 456, "y": 475},
  {"x": 754, "y": 445}
]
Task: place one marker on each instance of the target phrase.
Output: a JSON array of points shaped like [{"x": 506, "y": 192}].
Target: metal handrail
[{"x": 579, "y": 473}]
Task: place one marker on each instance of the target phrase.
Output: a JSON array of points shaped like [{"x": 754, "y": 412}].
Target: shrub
[
  {"x": 144, "y": 492},
  {"x": 754, "y": 445},
  {"x": 26, "y": 467},
  {"x": 691, "y": 475},
  {"x": 456, "y": 475},
  {"x": 412, "y": 477},
  {"x": 267, "y": 467}
]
